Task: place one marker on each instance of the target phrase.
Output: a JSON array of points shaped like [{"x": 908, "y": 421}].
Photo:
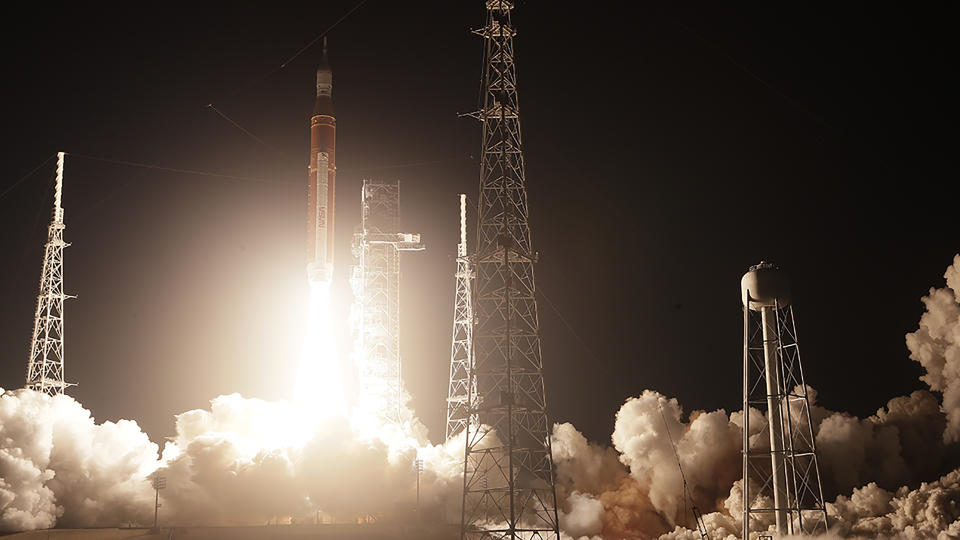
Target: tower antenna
[
  {"x": 508, "y": 482},
  {"x": 45, "y": 365}
]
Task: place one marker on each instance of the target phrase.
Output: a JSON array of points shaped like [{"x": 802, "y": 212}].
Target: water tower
[{"x": 781, "y": 480}]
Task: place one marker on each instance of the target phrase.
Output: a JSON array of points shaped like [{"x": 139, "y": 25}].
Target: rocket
[{"x": 322, "y": 177}]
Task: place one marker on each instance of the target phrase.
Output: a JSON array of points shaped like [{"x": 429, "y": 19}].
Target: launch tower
[
  {"x": 460, "y": 390},
  {"x": 45, "y": 366},
  {"x": 780, "y": 473},
  {"x": 508, "y": 481},
  {"x": 376, "y": 289}
]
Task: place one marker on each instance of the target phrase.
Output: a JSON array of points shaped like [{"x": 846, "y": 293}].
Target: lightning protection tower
[
  {"x": 376, "y": 289},
  {"x": 45, "y": 365},
  {"x": 508, "y": 481},
  {"x": 460, "y": 390},
  {"x": 780, "y": 473}
]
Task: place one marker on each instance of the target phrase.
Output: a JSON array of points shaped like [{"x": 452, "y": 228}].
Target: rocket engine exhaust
[{"x": 322, "y": 178}]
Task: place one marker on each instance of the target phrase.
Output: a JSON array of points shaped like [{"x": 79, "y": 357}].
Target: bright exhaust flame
[{"x": 319, "y": 384}]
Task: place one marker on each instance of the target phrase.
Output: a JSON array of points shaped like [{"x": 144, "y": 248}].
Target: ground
[{"x": 267, "y": 532}]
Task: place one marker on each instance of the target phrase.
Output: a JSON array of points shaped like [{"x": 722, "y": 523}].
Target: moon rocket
[{"x": 322, "y": 178}]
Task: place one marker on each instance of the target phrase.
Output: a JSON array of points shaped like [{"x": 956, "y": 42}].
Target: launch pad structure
[
  {"x": 509, "y": 487},
  {"x": 45, "y": 366},
  {"x": 461, "y": 386},
  {"x": 375, "y": 281}
]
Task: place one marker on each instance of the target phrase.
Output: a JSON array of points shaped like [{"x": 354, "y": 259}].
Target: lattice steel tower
[
  {"x": 508, "y": 489},
  {"x": 45, "y": 366},
  {"x": 376, "y": 289},
  {"x": 460, "y": 390},
  {"x": 781, "y": 479}
]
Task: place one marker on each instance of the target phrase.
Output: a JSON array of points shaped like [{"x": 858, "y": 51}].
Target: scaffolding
[
  {"x": 376, "y": 289},
  {"x": 45, "y": 371}
]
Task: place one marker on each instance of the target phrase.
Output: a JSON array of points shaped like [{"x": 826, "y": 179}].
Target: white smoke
[
  {"x": 585, "y": 518},
  {"x": 936, "y": 345},
  {"x": 930, "y": 511},
  {"x": 243, "y": 461},
  {"x": 58, "y": 466}
]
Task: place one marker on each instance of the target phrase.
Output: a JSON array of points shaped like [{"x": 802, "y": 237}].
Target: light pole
[
  {"x": 418, "y": 463},
  {"x": 159, "y": 482}
]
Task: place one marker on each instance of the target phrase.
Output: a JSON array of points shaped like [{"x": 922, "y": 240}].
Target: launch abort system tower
[
  {"x": 45, "y": 365},
  {"x": 780, "y": 460},
  {"x": 508, "y": 481},
  {"x": 376, "y": 289}
]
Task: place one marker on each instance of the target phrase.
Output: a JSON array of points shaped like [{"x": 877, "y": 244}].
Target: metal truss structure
[
  {"x": 508, "y": 483},
  {"x": 45, "y": 365},
  {"x": 781, "y": 478},
  {"x": 461, "y": 387},
  {"x": 376, "y": 288}
]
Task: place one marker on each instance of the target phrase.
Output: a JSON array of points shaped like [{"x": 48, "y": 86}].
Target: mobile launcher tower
[
  {"x": 376, "y": 311},
  {"x": 781, "y": 479}
]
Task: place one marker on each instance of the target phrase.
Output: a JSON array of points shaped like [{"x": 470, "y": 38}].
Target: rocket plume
[{"x": 319, "y": 386}]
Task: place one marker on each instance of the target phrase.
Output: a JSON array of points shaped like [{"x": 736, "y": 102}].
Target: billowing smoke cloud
[
  {"x": 930, "y": 511},
  {"x": 243, "y": 461},
  {"x": 58, "y": 466},
  {"x": 936, "y": 345}
]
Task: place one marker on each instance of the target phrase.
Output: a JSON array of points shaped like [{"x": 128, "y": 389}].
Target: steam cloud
[
  {"x": 232, "y": 464},
  {"x": 244, "y": 461}
]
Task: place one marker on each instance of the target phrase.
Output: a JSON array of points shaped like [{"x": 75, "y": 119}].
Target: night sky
[{"x": 668, "y": 147}]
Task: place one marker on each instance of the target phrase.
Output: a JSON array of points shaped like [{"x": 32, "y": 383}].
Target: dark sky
[{"x": 668, "y": 147}]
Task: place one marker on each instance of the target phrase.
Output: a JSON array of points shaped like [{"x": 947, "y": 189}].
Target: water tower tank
[{"x": 765, "y": 285}]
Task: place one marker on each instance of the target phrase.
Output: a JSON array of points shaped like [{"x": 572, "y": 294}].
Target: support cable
[
  {"x": 241, "y": 128},
  {"x": 318, "y": 38},
  {"x": 282, "y": 66},
  {"x": 567, "y": 324},
  {"x": 686, "y": 491},
  {"x": 182, "y": 171},
  {"x": 24, "y": 177}
]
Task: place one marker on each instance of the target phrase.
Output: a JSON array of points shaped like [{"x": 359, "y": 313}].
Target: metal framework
[
  {"x": 780, "y": 472},
  {"x": 45, "y": 365},
  {"x": 376, "y": 289},
  {"x": 508, "y": 482},
  {"x": 460, "y": 389}
]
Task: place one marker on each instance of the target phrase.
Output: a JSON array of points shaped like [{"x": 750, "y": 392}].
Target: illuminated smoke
[
  {"x": 58, "y": 467},
  {"x": 936, "y": 345}
]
